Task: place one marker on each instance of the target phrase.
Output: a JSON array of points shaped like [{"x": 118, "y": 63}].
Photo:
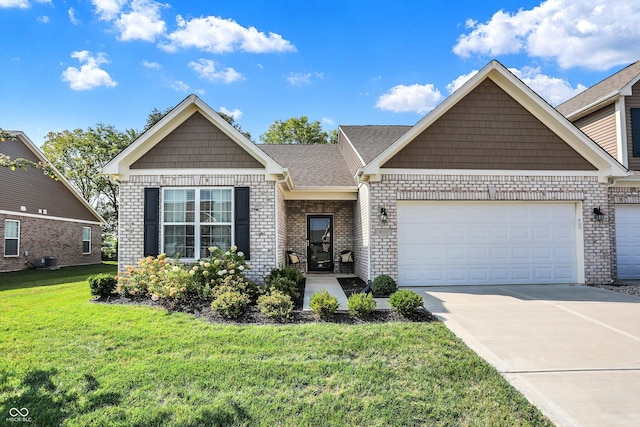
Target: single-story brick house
[
  {"x": 43, "y": 218},
  {"x": 493, "y": 186}
]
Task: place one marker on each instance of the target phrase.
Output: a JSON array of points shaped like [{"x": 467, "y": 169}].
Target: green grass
[{"x": 77, "y": 363}]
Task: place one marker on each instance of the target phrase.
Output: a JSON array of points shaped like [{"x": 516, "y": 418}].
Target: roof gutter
[{"x": 593, "y": 106}]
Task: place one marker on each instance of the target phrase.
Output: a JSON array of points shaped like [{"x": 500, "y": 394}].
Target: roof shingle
[{"x": 371, "y": 140}]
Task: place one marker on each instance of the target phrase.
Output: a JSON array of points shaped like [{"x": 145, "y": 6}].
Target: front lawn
[{"x": 73, "y": 362}]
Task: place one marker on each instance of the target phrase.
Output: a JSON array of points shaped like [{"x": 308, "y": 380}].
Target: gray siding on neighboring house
[
  {"x": 632, "y": 101},
  {"x": 36, "y": 191},
  {"x": 601, "y": 127},
  {"x": 196, "y": 143},
  {"x": 384, "y": 237},
  {"x": 297, "y": 212},
  {"x": 262, "y": 216},
  {"x": 50, "y": 237},
  {"x": 488, "y": 129}
]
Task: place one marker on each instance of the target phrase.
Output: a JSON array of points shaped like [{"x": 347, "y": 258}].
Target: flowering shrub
[
  {"x": 222, "y": 268},
  {"x": 156, "y": 278}
]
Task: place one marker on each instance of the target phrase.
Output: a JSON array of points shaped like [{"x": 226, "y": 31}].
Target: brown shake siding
[
  {"x": 196, "y": 143},
  {"x": 488, "y": 130},
  {"x": 632, "y": 101},
  {"x": 601, "y": 127},
  {"x": 35, "y": 191}
]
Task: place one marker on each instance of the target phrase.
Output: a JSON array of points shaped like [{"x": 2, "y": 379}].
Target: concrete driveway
[{"x": 574, "y": 351}]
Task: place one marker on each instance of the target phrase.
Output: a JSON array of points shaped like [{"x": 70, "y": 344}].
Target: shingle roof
[
  {"x": 607, "y": 86},
  {"x": 320, "y": 165},
  {"x": 371, "y": 140}
]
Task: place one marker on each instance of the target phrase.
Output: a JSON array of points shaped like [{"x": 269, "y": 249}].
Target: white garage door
[
  {"x": 628, "y": 241},
  {"x": 486, "y": 243}
]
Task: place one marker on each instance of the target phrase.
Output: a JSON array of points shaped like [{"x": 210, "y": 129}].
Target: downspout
[{"x": 285, "y": 177}]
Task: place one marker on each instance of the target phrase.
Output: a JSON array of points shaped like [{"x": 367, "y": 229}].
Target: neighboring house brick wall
[
  {"x": 342, "y": 210},
  {"x": 384, "y": 247},
  {"x": 262, "y": 203},
  {"x": 49, "y": 237},
  {"x": 618, "y": 196},
  {"x": 630, "y": 102},
  {"x": 601, "y": 127}
]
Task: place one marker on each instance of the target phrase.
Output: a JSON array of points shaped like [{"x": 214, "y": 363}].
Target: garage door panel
[
  {"x": 628, "y": 241},
  {"x": 487, "y": 243}
]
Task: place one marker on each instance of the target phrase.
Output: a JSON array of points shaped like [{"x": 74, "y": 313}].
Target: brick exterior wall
[
  {"x": 384, "y": 248},
  {"x": 618, "y": 196},
  {"x": 297, "y": 212},
  {"x": 50, "y": 237},
  {"x": 262, "y": 217}
]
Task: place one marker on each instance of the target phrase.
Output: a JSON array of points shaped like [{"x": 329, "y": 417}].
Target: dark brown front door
[{"x": 320, "y": 242}]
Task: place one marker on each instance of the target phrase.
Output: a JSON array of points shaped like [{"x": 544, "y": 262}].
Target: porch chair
[
  {"x": 346, "y": 260},
  {"x": 297, "y": 261}
]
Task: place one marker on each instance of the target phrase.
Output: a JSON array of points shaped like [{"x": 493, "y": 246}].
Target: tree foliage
[
  {"x": 298, "y": 130},
  {"x": 80, "y": 155}
]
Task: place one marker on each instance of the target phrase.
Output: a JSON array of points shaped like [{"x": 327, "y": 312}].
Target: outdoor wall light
[
  {"x": 383, "y": 215},
  {"x": 597, "y": 214}
]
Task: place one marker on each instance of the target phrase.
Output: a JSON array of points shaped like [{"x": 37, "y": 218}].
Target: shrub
[
  {"x": 173, "y": 282},
  {"x": 230, "y": 304},
  {"x": 405, "y": 302},
  {"x": 218, "y": 266},
  {"x": 361, "y": 305},
  {"x": 288, "y": 272},
  {"x": 284, "y": 285},
  {"x": 276, "y": 305},
  {"x": 383, "y": 286},
  {"x": 324, "y": 304},
  {"x": 102, "y": 285}
]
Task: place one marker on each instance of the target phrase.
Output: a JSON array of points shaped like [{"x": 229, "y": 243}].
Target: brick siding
[
  {"x": 384, "y": 247},
  {"x": 50, "y": 237}
]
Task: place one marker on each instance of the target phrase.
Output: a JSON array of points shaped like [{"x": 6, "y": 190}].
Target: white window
[
  {"x": 195, "y": 219},
  {"x": 86, "y": 240},
  {"x": 11, "y": 237}
]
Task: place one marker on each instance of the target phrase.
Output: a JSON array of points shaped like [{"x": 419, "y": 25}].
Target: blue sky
[{"x": 71, "y": 64}]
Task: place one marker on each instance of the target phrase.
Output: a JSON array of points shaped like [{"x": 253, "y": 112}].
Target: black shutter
[
  {"x": 635, "y": 131},
  {"x": 151, "y": 221},
  {"x": 242, "y": 213}
]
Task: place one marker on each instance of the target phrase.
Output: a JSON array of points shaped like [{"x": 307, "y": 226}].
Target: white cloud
[
  {"x": 596, "y": 34},
  {"x": 22, "y": 4},
  {"x": 150, "y": 65},
  {"x": 143, "y": 22},
  {"x": 206, "y": 69},
  {"x": 299, "y": 79},
  {"x": 90, "y": 75},
  {"x": 413, "y": 98},
  {"x": 460, "y": 80},
  {"x": 44, "y": 19},
  {"x": 235, "y": 113},
  {"x": 72, "y": 16},
  {"x": 180, "y": 86},
  {"x": 553, "y": 89},
  {"x": 327, "y": 121},
  {"x": 217, "y": 35},
  {"x": 108, "y": 9}
]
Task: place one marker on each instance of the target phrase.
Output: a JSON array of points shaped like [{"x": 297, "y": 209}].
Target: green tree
[
  {"x": 298, "y": 130},
  {"x": 80, "y": 155}
]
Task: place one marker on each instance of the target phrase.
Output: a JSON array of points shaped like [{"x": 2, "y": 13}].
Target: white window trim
[
  {"x": 83, "y": 240},
  {"x": 196, "y": 223},
  {"x": 11, "y": 238}
]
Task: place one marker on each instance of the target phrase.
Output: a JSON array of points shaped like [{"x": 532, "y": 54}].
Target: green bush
[
  {"x": 405, "y": 302},
  {"x": 361, "y": 305},
  {"x": 323, "y": 304},
  {"x": 173, "y": 282},
  {"x": 102, "y": 284},
  {"x": 230, "y": 304},
  {"x": 383, "y": 286},
  {"x": 218, "y": 266},
  {"x": 288, "y": 272},
  {"x": 282, "y": 284},
  {"x": 276, "y": 305}
]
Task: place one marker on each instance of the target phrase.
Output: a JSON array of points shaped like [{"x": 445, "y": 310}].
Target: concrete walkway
[
  {"x": 317, "y": 282},
  {"x": 574, "y": 351}
]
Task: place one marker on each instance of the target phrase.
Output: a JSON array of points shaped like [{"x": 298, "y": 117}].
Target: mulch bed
[
  {"x": 202, "y": 309},
  {"x": 352, "y": 285}
]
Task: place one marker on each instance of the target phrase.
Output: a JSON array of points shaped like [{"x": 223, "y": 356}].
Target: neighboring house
[
  {"x": 493, "y": 186},
  {"x": 609, "y": 113},
  {"x": 43, "y": 217}
]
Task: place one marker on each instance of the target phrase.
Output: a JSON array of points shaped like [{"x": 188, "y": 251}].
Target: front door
[{"x": 320, "y": 242}]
